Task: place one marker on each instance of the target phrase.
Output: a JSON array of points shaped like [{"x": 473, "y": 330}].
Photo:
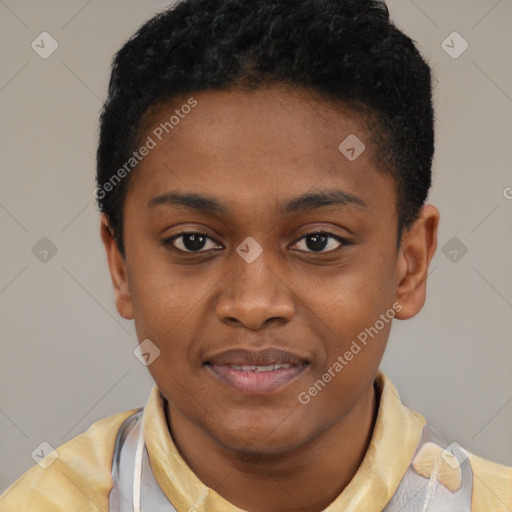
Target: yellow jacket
[{"x": 80, "y": 480}]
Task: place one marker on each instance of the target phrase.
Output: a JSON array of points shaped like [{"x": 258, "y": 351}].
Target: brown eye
[
  {"x": 319, "y": 241},
  {"x": 191, "y": 242}
]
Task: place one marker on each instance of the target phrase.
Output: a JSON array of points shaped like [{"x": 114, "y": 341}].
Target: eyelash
[{"x": 343, "y": 241}]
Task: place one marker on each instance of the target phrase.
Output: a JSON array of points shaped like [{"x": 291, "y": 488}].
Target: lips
[
  {"x": 256, "y": 372},
  {"x": 266, "y": 357}
]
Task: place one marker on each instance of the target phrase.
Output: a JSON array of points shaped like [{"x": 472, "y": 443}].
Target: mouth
[{"x": 256, "y": 373}]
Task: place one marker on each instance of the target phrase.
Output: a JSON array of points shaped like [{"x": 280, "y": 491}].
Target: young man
[{"x": 262, "y": 174}]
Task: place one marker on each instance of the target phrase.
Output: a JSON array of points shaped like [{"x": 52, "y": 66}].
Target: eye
[
  {"x": 317, "y": 242},
  {"x": 190, "y": 242}
]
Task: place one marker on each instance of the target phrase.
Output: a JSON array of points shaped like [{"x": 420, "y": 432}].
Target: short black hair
[{"x": 346, "y": 51}]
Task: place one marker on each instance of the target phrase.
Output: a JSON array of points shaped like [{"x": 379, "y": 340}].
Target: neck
[{"x": 309, "y": 477}]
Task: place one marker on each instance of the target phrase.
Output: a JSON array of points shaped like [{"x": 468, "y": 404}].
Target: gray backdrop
[{"x": 67, "y": 356}]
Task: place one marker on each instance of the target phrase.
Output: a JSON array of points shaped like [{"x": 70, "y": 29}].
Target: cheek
[
  {"x": 356, "y": 295},
  {"x": 160, "y": 291},
  {"x": 171, "y": 305},
  {"x": 350, "y": 306}
]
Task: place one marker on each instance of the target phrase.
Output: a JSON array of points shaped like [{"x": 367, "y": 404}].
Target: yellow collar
[{"x": 395, "y": 438}]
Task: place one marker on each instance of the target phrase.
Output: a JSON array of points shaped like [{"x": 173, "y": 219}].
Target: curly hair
[{"x": 344, "y": 51}]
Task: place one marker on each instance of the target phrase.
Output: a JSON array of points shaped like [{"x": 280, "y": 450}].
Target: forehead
[
  {"x": 300, "y": 118},
  {"x": 262, "y": 144}
]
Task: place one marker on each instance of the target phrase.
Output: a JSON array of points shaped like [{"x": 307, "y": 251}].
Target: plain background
[{"x": 67, "y": 356}]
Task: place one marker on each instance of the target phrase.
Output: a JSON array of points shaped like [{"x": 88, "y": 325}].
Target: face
[{"x": 257, "y": 256}]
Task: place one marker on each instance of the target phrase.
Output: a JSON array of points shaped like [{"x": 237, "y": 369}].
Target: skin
[{"x": 252, "y": 151}]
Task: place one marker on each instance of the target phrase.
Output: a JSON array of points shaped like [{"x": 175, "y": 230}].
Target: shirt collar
[{"x": 394, "y": 440}]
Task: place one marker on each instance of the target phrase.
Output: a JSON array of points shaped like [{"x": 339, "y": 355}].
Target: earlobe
[
  {"x": 417, "y": 249},
  {"x": 118, "y": 272}
]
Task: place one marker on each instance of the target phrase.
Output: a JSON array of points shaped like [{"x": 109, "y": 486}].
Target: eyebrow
[{"x": 308, "y": 201}]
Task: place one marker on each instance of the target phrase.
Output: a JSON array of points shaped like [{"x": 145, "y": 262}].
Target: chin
[
  {"x": 257, "y": 446},
  {"x": 262, "y": 437}
]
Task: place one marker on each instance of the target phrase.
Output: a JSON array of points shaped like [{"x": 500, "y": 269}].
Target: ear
[
  {"x": 417, "y": 248},
  {"x": 118, "y": 273}
]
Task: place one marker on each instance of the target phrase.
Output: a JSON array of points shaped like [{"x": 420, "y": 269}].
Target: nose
[{"x": 253, "y": 295}]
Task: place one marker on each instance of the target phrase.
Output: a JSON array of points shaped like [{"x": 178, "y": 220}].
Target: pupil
[
  {"x": 194, "y": 242},
  {"x": 319, "y": 241}
]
